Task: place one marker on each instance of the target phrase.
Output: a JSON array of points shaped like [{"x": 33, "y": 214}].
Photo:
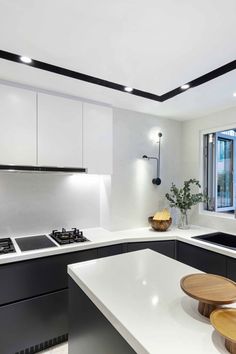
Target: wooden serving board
[
  {"x": 210, "y": 290},
  {"x": 224, "y": 321}
]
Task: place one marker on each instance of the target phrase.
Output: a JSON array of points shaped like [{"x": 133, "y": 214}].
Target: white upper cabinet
[
  {"x": 59, "y": 131},
  {"x": 18, "y": 126},
  {"x": 47, "y": 130},
  {"x": 97, "y": 138}
]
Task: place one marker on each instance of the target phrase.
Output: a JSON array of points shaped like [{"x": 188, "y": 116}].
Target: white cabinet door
[
  {"x": 97, "y": 138},
  {"x": 17, "y": 126},
  {"x": 59, "y": 131}
]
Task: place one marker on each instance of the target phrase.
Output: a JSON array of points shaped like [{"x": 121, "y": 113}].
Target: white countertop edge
[
  {"x": 124, "y": 332},
  {"x": 103, "y": 238}
]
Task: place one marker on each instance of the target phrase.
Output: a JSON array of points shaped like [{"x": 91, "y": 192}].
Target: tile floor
[{"x": 58, "y": 349}]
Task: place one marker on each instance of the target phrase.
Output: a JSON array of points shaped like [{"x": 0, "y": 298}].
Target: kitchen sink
[{"x": 219, "y": 238}]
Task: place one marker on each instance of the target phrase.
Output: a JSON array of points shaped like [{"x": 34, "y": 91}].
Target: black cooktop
[
  {"x": 65, "y": 237},
  {"x": 6, "y": 246},
  {"x": 30, "y": 243}
]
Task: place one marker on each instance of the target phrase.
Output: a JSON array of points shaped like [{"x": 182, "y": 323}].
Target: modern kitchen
[{"x": 117, "y": 177}]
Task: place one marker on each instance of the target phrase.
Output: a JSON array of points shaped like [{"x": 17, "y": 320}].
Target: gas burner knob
[{"x": 54, "y": 232}]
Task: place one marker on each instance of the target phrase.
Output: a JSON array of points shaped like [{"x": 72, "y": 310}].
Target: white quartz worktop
[
  {"x": 100, "y": 237},
  {"x": 139, "y": 293}
]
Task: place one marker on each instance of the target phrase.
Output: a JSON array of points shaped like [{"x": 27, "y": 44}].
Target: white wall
[
  {"x": 133, "y": 197},
  {"x": 31, "y": 203},
  {"x": 191, "y": 158}
]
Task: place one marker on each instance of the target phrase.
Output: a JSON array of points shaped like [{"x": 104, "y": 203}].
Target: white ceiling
[{"x": 151, "y": 45}]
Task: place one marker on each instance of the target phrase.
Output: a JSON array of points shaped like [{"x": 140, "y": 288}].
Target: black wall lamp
[{"x": 156, "y": 180}]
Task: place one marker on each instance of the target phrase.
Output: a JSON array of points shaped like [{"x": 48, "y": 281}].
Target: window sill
[{"x": 216, "y": 214}]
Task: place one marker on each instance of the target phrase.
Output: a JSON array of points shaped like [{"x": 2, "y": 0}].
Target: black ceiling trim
[
  {"x": 112, "y": 85},
  {"x": 202, "y": 79}
]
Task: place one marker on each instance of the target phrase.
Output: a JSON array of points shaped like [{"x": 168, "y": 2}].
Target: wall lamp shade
[{"x": 157, "y": 180}]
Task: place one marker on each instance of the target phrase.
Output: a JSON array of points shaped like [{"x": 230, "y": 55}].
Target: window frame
[{"x": 215, "y": 129}]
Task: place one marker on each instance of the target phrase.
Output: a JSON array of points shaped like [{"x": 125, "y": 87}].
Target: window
[{"x": 219, "y": 176}]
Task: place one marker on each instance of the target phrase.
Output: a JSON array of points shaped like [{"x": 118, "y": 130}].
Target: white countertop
[
  {"x": 100, "y": 237},
  {"x": 139, "y": 293}
]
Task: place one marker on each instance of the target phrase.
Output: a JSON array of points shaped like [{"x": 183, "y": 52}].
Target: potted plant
[{"x": 183, "y": 199}]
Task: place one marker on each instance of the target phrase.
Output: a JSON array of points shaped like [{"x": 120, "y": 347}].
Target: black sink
[
  {"x": 30, "y": 243},
  {"x": 219, "y": 238}
]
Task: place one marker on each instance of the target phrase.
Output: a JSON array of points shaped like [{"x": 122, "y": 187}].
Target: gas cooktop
[
  {"x": 65, "y": 237},
  {"x": 6, "y": 246}
]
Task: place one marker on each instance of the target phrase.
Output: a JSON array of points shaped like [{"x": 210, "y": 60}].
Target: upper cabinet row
[{"x": 46, "y": 130}]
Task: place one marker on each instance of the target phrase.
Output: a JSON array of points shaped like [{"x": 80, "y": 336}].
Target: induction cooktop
[{"x": 30, "y": 243}]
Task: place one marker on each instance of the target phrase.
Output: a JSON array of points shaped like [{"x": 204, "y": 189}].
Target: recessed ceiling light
[
  {"x": 26, "y": 60},
  {"x": 234, "y": 94},
  {"x": 185, "y": 87},
  {"x": 128, "y": 89}
]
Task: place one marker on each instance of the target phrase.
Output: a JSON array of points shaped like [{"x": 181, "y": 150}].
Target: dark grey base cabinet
[
  {"x": 111, "y": 250},
  {"x": 34, "y": 302},
  {"x": 164, "y": 247},
  {"x": 22, "y": 280},
  {"x": 202, "y": 259},
  {"x": 33, "y": 296},
  {"x": 35, "y": 324},
  {"x": 231, "y": 268},
  {"x": 89, "y": 331}
]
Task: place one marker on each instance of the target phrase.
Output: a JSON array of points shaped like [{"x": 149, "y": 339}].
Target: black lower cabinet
[
  {"x": 34, "y": 302},
  {"x": 35, "y": 324},
  {"x": 231, "y": 268},
  {"x": 34, "y": 293},
  {"x": 164, "y": 247},
  {"x": 202, "y": 259},
  {"x": 25, "y": 279},
  {"x": 110, "y": 250},
  {"x": 90, "y": 331}
]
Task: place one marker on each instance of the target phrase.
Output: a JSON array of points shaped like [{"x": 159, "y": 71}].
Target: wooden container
[
  {"x": 224, "y": 321},
  {"x": 210, "y": 290},
  {"x": 159, "y": 225}
]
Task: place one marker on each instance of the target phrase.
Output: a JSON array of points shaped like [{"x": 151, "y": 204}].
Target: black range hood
[{"x": 27, "y": 168}]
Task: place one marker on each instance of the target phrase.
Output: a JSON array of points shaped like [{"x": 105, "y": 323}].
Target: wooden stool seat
[
  {"x": 224, "y": 321},
  {"x": 210, "y": 290}
]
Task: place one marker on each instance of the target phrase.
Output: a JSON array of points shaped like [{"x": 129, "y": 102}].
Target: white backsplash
[{"x": 32, "y": 203}]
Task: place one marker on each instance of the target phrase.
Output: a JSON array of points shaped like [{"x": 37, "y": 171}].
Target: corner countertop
[
  {"x": 100, "y": 237},
  {"x": 146, "y": 304}
]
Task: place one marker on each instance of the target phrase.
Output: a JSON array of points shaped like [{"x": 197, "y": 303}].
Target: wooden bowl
[
  {"x": 159, "y": 225},
  {"x": 224, "y": 321}
]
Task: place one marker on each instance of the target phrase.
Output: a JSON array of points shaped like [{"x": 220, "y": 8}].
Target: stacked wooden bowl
[
  {"x": 212, "y": 292},
  {"x": 224, "y": 321}
]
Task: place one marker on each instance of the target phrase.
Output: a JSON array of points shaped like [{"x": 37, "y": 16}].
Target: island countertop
[{"x": 140, "y": 294}]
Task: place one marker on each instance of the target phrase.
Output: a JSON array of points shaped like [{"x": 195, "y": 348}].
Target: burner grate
[
  {"x": 65, "y": 237},
  {"x": 6, "y": 246}
]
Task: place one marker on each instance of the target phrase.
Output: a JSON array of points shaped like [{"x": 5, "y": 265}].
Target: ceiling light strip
[
  {"x": 201, "y": 80},
  {"x": 76, "y": 75},
  {"x": 112, "y": 85}
]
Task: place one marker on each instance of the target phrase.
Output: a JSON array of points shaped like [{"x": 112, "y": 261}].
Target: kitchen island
[{"x": 132, "y": 303}]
